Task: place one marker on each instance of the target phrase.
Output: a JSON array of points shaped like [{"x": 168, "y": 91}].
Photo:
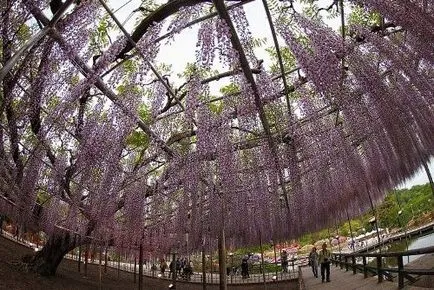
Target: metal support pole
[
  {"x": 79, "y": 254},
  {"x": 174, "y": 270},
  {"x": 262, "y": 260},
  {"x": 203, "y": 268},
  {"x": 86, "y": 257},
  {"x": 352, "y": 243},
  {"x": 135, "y": 269},
  {"x": 105, "y": 260},
  {"x": 119, "y": 264},
  {"x": 140, "y": 267},
  {"x": 100, "y": 268},
  {"x": 222, "y": 261}
]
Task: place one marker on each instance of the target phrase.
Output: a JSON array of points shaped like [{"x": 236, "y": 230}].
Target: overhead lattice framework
[{"x": 115, "y": 146}]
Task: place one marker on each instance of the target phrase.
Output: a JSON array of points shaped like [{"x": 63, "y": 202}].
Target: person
[
  {"x": 163, "y": 267},
  {"x": 284, "y": 259},
  {"x": 172, "y": 269},
  {"x": 188, "y": 270},
  {"x": 352, "y": 245},
  {"x": 178, "y": 266},
  {"x": 313, "y": 261},
  {"x": 324, "y": 260},
  {"x": 245, "y": 268}
]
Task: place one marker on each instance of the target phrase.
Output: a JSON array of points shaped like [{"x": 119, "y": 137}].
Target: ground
[
  {"x": 424, "y": 262},
  {"x": 13, "y": 276}
]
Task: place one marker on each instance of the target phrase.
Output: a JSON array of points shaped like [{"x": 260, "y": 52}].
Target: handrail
[
  {"x": 420, "y": 251},
  {"x": 341, "y": 259}
]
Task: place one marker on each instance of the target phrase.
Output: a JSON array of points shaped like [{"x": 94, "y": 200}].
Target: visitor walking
[
  {"x": 163, "y": 267},
  {"x": 284, "y": 260},
  {"x": 324, "y": 260},
  {"x": 245, "y": 268},
  {"x": 313, "y": 261},
  {"x": 172, "y": 269}
]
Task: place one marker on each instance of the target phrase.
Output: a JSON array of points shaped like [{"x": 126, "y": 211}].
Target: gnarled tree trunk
[{"x": 46, "y": 261}]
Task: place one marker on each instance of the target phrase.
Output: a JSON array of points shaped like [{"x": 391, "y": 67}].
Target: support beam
[{"x": 236, "y": 43}]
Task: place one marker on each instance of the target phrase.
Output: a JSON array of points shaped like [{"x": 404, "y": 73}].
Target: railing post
[
  {"x": 346, "y": 263},
  {"x": 365, "y": 270},
  {"x": 400, "y": 272},
  {"x": 379, "y": 272},
  {"x": 353, "y": 261}
]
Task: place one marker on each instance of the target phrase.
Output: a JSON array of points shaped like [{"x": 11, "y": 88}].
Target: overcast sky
[
  {"x": 182, "y": 49},
  {"x": 419, "y": 178}
]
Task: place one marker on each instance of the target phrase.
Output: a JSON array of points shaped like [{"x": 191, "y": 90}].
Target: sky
[
  {"x": 420, "y": 177},
  {"x": 182, "y": 49}
]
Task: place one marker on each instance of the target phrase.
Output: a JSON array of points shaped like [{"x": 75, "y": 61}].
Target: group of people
[
  {"x": 182, "y": 267},
  {"x": 321, "y": 258}
]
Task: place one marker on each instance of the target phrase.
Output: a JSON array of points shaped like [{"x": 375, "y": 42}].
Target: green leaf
[
  {"x": 144, "y": 113},
  {"x": 138, "y": 139}
]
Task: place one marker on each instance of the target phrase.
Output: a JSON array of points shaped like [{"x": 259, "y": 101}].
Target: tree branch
[{"x": 157, "y": 16}]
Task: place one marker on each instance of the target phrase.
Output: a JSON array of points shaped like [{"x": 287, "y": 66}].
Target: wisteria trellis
[{"x": 113, "y": 152}]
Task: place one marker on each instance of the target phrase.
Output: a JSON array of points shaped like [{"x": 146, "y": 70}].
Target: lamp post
[
  {"x": 231, "y": 255},
  {"x": 399, "y": 220},
  {"x": 412, "y": 211}
]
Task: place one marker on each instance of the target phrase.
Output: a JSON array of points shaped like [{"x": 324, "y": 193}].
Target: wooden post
[
  {"x": 400, "y": 272},
  {"x": 365, "y": 270},
  {"x": 379, "y": 272},
  {"x": 353, "y": 261},
  {"x": 346, "y": 263}
]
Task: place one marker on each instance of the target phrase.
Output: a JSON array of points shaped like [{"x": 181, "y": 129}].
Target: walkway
[
  {"x": 342, "y": 280},
  {"x": 372, "y": 243}
]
